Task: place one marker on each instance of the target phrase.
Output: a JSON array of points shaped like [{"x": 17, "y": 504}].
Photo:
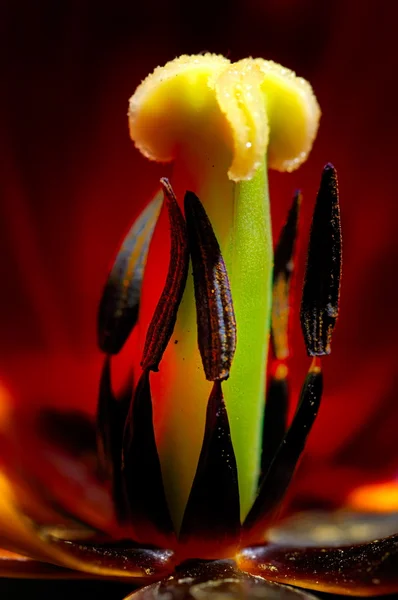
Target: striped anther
[
  {"x": 165, "y": 315},
  {"x": 214, "y": 307}
]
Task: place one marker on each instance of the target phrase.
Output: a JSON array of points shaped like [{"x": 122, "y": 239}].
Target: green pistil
[{"x": 250, "y": 267}]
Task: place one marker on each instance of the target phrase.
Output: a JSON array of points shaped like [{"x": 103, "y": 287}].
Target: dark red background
[{"x": 71, "y": 182}]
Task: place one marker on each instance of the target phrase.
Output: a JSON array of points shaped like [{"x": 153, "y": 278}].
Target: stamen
[
  {"x": 276, "y": 407},
  {"x": 214, "y": 307},
  {"x": 212, "y": 516},
  {"x": 106, "y": 408},
  {"x": 118, "y": 309},
  {"x": 111, "y": 416},
  {"x": 320, "y": 301},
  {"x": 275, "y": 418},
  {"x": 278, "y": 477},
  {"x": 141, "y": 466},
  {"x": 142, "y": 475},
  {"x": 319, "y": 311},
  {"x": 283, "y": 271},
  {"x": 164, "y": 318}
]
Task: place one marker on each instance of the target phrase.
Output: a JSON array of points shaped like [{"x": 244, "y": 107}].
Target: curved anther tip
[
  {"x": 321, "y": 292},
  {"x": 167, "y": 188}
]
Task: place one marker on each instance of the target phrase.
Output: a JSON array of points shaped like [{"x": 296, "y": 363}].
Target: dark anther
[
  {"x": 214, "y": 308},
  {"x": 283, "y": 271},
  {"x": 275, "y": 482},
  {"x": 111, "y": 416},
  {"x": 320, "y": 302},
  {"x": 164, "y": 318},
  {"x": 213, "y": 508},
  {"x": 118, "y": 309},
  {"x": 141, "y": 467}
]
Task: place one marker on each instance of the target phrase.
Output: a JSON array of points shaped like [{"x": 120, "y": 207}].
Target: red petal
[
  {"x": 49, "y": 459},
  {"x": 363, "y": 570},
  {"x": 16, "y": 565},
  {"x": 103, "y": 560}
]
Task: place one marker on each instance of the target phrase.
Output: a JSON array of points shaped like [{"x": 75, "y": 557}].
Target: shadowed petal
[
  {"x": 51, "y": 456},
  {"x": 19, "y": 534}
]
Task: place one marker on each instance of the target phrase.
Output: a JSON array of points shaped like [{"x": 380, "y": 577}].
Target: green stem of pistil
[{"x": 250, "y": 271}]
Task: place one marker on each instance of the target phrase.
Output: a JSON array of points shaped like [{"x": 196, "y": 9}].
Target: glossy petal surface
[
  {"x": 214, "y": 581},
  {"x": 361, "y": 570},
  {"x": 19, "y": 534}
]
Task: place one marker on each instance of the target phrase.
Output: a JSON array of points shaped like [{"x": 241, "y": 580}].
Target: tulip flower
[{"x": 182, "y": 478}]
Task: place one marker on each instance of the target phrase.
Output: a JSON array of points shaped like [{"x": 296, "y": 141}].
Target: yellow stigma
[{"x": 257, "y": 107}]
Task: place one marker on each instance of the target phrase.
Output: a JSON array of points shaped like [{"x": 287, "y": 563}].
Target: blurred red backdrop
[{"x": 71, "y": 183}]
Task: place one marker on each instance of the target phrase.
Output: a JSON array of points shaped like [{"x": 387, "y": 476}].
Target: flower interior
[
  {"x": 193, "y": 458},
  {"x": 195, "y": 449}
]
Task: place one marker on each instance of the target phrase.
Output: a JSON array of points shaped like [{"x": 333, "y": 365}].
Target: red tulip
[{"x": 57, "y": 255}]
